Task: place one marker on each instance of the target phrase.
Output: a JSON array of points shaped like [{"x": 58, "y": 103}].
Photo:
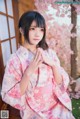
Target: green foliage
[{"x": 76, "y": 108}]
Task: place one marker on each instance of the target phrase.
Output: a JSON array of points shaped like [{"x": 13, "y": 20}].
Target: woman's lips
[{"x": 36, "y": 39}]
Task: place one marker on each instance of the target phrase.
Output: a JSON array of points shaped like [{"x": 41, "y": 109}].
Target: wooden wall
[{"x": 25, "y": 5}]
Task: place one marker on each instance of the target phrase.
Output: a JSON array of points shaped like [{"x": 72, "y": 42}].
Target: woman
[{"x": 34, "y": 82}]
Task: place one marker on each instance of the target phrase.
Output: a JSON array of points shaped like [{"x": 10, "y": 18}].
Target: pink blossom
[{"x": 57, "y": 35}]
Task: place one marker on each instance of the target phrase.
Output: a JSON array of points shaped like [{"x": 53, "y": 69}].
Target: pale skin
[{"x": 37, "y": 33}]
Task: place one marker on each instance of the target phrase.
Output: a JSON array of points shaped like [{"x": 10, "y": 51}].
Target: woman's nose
[{"x": 37, "y": 33}]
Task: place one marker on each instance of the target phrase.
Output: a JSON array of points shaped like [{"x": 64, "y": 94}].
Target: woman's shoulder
[
  {"x": 13, "y": 60},
  {"x": 20, "y": 54},
  {"x": 54, "y": 56},
  {"x": 51, "y": 51},
  {"x": 15, "y": 57}
]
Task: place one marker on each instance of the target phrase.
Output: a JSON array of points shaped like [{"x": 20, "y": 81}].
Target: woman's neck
[{"x": 31, "y": 48}]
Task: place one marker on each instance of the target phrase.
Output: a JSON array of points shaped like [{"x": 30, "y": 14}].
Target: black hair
[{"x": 25, "y": 22}]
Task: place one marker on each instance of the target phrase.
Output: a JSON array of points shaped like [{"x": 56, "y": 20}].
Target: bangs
[{"x": 40, "y": 22}]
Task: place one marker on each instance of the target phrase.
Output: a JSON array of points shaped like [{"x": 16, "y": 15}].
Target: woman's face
[{"x": 35, "y": 34}]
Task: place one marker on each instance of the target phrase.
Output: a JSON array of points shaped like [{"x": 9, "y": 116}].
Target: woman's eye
[
  {"x": 42, "y": 29},
  {"x": 32, "y": 28}
]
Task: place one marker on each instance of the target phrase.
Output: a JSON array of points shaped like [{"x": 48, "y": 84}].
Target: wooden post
[{"x": 73, "y": 43}]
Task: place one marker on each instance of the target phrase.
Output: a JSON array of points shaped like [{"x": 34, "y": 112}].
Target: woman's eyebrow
[
  {"x": 33, "y": 26},
  {"x": 36, "y": 26}
]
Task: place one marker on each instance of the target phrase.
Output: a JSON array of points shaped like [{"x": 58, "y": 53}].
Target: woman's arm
[
  {"x": 11, "y": 93},
  {"x": 29, "y": 71},
  {"x": 60, "y": 74},
  {"x": 57, "y": 75},
  {"x": 24, "y": 83},
  {"x": 61, "y": 77}
]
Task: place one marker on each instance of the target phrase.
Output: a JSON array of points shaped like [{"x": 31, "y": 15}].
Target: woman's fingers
[
  {"x": 35, "y": 63},
  {"x": 38, "y": 57}
]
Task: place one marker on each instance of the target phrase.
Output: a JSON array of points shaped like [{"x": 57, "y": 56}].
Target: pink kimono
[{"x": 43, "y": 98}]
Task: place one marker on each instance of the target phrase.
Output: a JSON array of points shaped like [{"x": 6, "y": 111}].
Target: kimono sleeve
[
  {"x": 65, "y": 77},
  {"x": 10, "y": 92}
]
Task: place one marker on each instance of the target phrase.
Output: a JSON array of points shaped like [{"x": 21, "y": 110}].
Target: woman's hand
[
  {"x": 30, "y": 70},
  {"x": 46, "y": 58},
  {"x": 34, "y": 64}
]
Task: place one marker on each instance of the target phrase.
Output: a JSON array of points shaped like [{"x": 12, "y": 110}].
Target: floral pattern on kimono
[{"x": 43, "y": 98}]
